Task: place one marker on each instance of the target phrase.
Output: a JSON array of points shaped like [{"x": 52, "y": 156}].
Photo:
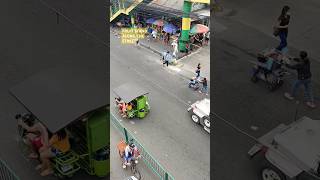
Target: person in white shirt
[
  {"x": 175, "y": 48},
  {"x": 154, "y": 34}
]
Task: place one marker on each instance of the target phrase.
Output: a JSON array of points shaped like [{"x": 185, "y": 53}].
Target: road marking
[
  {"x": 254, "y": 128},
  {"x": 175, "y": 69}
]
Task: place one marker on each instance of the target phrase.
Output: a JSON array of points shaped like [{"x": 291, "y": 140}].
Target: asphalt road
[
  {"x": 167, "y": 131},
  {"x": 245, "y": 104},
  {"x": 32, "y": 41}
]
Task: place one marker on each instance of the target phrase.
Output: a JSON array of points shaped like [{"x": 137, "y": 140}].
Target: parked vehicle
[
  {"x": 131, "y": 93},
  {"x": 290, "y": 151},
  {"x": 200, "y": 113}
]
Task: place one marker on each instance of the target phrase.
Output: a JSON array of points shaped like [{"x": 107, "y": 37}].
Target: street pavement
[
  {"x": 251, "y": 107},
  {"x": 261, "y": 15},
  {"x": 32, "y": 41},
  {"x": 186, "y": 64},
  {"x": 167, "y": 132}
]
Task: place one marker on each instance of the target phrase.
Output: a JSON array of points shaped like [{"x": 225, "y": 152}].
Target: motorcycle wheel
[
  {"x": 271, "y": 86},
  {"x": 135, "y": 171},
  {"x": 280, "y": 83}
]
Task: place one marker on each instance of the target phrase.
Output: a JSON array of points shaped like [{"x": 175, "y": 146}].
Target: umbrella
[
  {"x": 199, "y": 28},
  {"x": 159, "y": 22},
  {"x": 150, "y": 20},
  {"x": 170, "y": 28}
]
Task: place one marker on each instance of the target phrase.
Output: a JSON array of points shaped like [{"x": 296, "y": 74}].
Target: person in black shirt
[
  {"x": 204, "y": 86},
  {"x": 283, "y": 23},
  {"x": 198, "y": 70},
  {"x": 304, "y": 78}
]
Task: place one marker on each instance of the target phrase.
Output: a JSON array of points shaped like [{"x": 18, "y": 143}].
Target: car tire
[
  {"x": 270, "y": 172},
  {"x": 147, "y": 106},
  {"x": 206, "y": 123},
  {"x": 195, "y": 118}
]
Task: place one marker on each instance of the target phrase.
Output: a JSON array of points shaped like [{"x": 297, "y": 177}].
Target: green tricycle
[
  {"x": 69, "y": 99},
  {"x": 132, "y": 100}
]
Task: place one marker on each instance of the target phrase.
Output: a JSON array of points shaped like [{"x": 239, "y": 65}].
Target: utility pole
[{"x": 186, "y": 21}]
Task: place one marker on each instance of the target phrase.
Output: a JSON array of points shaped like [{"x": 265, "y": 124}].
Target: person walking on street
[
  {"x": 304, "y": 78},
  {"x": 167, "y": 38},
  {"x": 198, "y": 70},
  {"x": 165, "y": 58},
  {"x": 282, "y": 27},
  {"x": 199, "y": 66},
  {"x": 204, "y": 86},
  {"x": 149, "y": 33},
  {"x": 154, "y": 33},
  {"x": 175, "y": 48},
  {"x": 207, "y": 38}
]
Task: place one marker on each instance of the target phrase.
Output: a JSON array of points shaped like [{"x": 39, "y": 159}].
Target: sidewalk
[
  {"x": 158, "y": 47},
  {"x": 116, "y": 171},
  {"x": 187, "y": 63}
]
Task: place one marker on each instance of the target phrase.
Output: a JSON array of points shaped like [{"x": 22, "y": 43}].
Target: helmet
[
  {"x": 18, "y": 116},
  {"x": 303, "y": 54},
  {"x": 131, "y": 145}
]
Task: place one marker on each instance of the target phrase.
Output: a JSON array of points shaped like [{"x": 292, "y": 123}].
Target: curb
[
  {"x": 160, "y": 53},
  {"x": 178, "y": 64},
  {"x": 149, "y": 47}
]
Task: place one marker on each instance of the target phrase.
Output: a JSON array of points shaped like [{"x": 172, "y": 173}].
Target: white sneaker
[
  {"x": 288, "y": 96},
  {"x": 311, "y": 104}
]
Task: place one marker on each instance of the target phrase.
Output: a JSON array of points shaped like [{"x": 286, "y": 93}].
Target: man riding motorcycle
[{"x": 131, "y": 151}]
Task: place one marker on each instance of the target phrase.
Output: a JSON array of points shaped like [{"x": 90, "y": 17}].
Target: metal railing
[
  {"x": 6, "y": 173},
  {"x": 149, "y": 160}
]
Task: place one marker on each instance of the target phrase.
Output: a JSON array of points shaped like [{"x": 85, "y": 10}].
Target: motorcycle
[
  {"x": 133, "y": 166},
  {"x": 194, "y": 84},
  {"x": 270, "y": 69}
]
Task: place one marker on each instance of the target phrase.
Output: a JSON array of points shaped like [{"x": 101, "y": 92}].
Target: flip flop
[{"x": 311, "y": 105}]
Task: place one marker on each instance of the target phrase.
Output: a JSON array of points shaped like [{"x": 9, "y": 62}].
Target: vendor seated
[
  {"x": 129, "y": 106},
  {"x": 118, "y": 100},
  {"x": 58, "y": 144},
  {"x": 121, "y": 105},
  {"x": 123, "y": 109}
]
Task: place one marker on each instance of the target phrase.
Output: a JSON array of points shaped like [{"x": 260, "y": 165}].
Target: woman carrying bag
[{"x": 281, "y": 29}]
